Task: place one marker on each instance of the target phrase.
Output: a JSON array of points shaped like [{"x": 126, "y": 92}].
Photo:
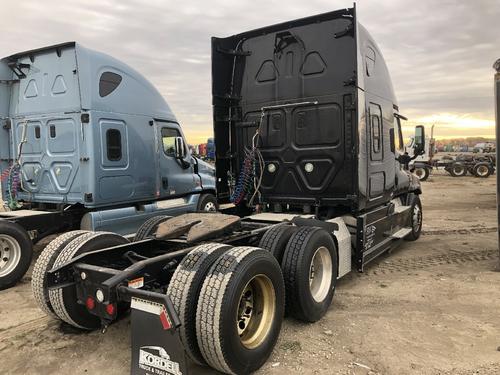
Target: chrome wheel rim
[
  {"x": 482, "y": 170},
  {"x": 417, "y": 218},
  {"x": 210, "y": 207},
  {"x": 256, "y": 311},
  {"x": 10, "y": 254},
  {"x": 320, "y": 274}
]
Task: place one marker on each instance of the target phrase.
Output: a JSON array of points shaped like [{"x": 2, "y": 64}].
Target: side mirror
[
  {"x": 419, "y": 141},
  {"x": 180, "y": 148}
]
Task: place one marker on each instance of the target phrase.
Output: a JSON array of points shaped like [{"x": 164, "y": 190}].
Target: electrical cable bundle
[
  {"x": 12, "y": 178},
  {"x": 251, "y": 172}
]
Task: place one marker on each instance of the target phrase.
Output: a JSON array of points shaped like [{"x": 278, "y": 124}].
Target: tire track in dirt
[
  {"x": 413, "y": 264},
  {"x": 23, "y": 328},
  {"x": 449, "y": 232}
]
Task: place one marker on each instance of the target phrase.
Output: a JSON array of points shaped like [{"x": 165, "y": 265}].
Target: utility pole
[{"x": 496, "y": 66}]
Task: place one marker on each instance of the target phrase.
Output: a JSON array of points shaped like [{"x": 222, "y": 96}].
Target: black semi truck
[{"x": 313, "y": 183}]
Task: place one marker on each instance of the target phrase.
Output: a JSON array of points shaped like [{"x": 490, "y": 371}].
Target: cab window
[
  {"x": 398, "y": 139},
  {"x": 168, "y": 136}
]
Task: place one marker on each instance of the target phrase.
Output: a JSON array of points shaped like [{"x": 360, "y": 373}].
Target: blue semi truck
[{"x": 86, "y": 142}]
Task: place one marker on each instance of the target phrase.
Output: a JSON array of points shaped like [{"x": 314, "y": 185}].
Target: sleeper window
[
  {"x": 114, "y": 144},
  {"x": 108, "y": 83}
]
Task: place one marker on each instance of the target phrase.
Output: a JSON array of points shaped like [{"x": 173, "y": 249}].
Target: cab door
[{"x": 177, "y": 177}]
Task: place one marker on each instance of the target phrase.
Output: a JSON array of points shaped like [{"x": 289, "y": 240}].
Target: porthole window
[
  {"x": 108, "y": 83},
  {"x": 114, "y": 144}
]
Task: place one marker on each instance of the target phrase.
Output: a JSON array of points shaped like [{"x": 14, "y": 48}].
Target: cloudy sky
[{"x": 439, "y": 53}]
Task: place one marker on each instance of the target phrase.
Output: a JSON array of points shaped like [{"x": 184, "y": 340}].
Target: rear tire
[
  {"x": 310, "y": 269},
  {"x": 44, "y": 264},
  {"x": 416, "y": 220},
  {"x": 16, "y": 252},
  {"x": 458, "y": 170},
  {"x": 64, "y": 300},
  {"x": 149, "y": 227},
  {"x": 482, "y": 170},
  {"x": 246, "y": 283},
  {"x": 276, "y": 239},
  {"x": 184, "y": 290},
  {"x": 208, "y": 203}
]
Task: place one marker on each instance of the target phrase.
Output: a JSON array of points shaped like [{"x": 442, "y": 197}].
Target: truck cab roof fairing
[
  {"x": 373, "y": 75},
  {"x": 134, "y": 95}
]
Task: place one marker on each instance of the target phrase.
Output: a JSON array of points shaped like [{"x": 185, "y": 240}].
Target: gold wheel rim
[{"x": 256, "y": 310}]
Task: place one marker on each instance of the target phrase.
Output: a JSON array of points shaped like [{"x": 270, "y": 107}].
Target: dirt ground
[{"x": 429, "y": 307}]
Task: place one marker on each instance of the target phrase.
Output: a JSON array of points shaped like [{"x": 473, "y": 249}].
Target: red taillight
[
  {"x": 110, "y": 309},
  {"x": 90, "y": 303}
]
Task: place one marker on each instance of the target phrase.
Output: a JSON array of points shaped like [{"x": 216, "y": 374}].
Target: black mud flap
[{"x": 156, "y": 346}]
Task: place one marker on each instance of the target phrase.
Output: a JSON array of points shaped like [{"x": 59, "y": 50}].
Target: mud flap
[{"x": 156, "y": 346}]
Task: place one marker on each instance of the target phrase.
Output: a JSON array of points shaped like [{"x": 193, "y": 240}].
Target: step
[{"x": 403, "y": 232}]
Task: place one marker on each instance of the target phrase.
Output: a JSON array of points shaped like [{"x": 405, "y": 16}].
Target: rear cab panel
[
  {"x": 44, "y": 113},
  {"x": 306, "y": 68}
]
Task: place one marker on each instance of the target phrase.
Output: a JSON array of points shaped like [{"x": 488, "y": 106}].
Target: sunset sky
[{"x": 439, "y": 53}]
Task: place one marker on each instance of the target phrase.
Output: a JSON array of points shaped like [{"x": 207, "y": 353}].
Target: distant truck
[
  {"x": 86, "y": 142},
  {"x": 457, "y": 166}
]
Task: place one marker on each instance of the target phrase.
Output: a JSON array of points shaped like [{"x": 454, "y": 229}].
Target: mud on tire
[
  {"x": 184, "y": 290},
  {"x": 246, "y": 283},
  {"x": 310, "y": 268},
  {"x": 44, "y": 264},
  {"x": 149, "y": 227},
  {"x": 64, "y": 300}
]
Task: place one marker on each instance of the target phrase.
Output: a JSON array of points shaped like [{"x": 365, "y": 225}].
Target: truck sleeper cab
[
  {"x": 313, "y": 177},
  {"x": 86, "y": 142}
]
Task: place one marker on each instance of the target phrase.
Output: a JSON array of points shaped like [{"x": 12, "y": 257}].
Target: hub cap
[
  {"x": 417, "y": 219},
  {"x": 10, "y": 254},
  {"x": 320, "y": 274},
  {"x": 210, "y": 207},
  {"x": 256, "y": 311},
  {"x": 482, "y": 170}
]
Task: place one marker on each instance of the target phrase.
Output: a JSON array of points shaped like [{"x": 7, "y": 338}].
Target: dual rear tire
[
  {"x": 62, "y": 302},
  {"x": 215, "y": 283}
]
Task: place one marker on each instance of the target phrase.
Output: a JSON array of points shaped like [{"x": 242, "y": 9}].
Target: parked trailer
[
  {"x": 86, "y": 143},
  {"x": 309, "y": 161}
]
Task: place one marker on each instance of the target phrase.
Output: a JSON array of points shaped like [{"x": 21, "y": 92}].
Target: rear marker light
[
  {"x": 90, "y": 303},
  {"x": 110, "y": 309}
]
